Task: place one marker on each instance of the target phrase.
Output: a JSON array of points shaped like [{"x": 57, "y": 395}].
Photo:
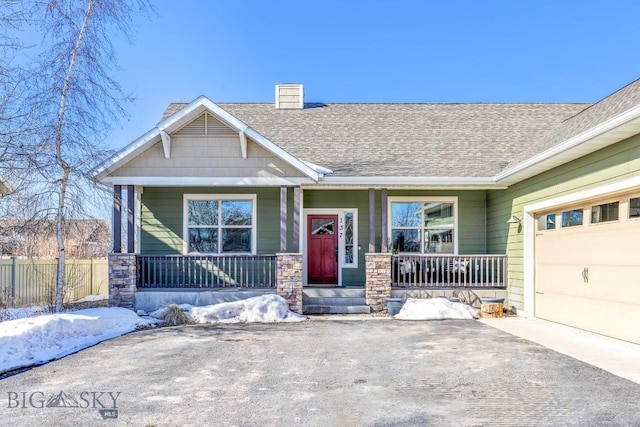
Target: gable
[
  {"x": 206, "y": 147},
  {"x": 206, "y": 125}
]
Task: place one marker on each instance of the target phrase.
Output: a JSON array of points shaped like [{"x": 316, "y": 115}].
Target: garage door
[{"x": 587, "y": 267}]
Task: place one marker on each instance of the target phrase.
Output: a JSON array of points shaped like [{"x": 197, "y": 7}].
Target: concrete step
[
  {"x": 334, "y": 292},
  {"x": 336, "y": 309},
  {"x": 333, "y": 301}
]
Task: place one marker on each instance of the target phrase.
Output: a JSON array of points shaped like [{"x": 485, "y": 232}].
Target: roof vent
[{"x": 289, "y": 96}]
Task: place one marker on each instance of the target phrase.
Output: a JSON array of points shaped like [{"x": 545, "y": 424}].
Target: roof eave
[
  {"x": 607, "y": 133},
  {"x": 183, "y": 116},
  {"x": 411, "y": 182}
]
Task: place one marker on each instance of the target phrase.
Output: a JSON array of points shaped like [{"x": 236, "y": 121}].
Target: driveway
[{"x": 376, "y": 372}]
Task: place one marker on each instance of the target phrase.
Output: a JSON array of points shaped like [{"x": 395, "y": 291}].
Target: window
[
  {"x": 634, "y": 207},
  {"x": 346, "y": 236},
  {"x": 219, "y": 223},
  {"x": 423, "y": 226},
  {"x": 605, "y": 212},
  {"x": 547, "y": 222},
  {"x": 572, "y": 218}
]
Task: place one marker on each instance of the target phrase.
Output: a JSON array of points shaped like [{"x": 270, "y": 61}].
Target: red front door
[{"x": 322, "y": 249}]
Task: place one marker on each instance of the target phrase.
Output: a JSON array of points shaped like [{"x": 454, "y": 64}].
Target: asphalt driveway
[{"x": 320, "y": 373}]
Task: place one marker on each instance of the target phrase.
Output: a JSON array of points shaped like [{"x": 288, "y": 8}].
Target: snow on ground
[
  {"x": 35, "y": 340},
  {"x": 263, "y": 309},
  {"x": 435, "y": 309},
  {"x": 92, "y": 298}
]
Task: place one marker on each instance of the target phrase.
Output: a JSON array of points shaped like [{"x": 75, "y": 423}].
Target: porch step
[
  {"x": 336, "y": 309},
  {"x": 334, "y": 292},
  {"x": 334, "y": 301}
]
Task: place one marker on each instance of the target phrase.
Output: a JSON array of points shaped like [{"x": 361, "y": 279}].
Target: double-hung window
[
  {"x": 220, "y": 223},
  {"x": 425, "y": 225}
]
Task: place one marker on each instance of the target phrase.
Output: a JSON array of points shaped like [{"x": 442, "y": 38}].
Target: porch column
[
  {"x": 378, "y": 280},
  {"x": 296, "y": 219},
  {"x": 289, "y": 279},
  {"x": 131, "y": 209},
  {"x": 383, "y": 219},
  {"x": 372, "y": 218},
  {"x": 283, "y": 219},
  {"x": 117, "y": 219}
]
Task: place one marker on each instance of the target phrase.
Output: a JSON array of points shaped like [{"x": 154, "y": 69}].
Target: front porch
[{"x": 133, "y": 275}]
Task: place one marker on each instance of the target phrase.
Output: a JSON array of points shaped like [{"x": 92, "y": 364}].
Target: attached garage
[{"x": 587, "y": 265}]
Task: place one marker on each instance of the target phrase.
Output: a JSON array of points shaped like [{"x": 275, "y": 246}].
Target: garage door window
[
  {"x": 547, "y": 222},
  {"x": 604, "y": 213},
  {"x": 572, "y": 218},
  {"x": 634, "y": 207}
]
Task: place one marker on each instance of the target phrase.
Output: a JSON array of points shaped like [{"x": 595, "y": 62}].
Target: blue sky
[{"x": 377, "y": 51}]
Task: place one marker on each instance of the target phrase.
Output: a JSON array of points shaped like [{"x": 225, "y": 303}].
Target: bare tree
[{"x": 71, "y": 104}]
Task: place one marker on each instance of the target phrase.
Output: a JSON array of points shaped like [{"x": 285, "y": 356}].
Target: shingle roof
[
  {"x": 420, "y": 140},
  {"x": 603, "y": 110}
]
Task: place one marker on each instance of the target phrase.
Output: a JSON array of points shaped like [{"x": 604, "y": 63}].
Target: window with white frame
[
  {"x": 426, "y": 225},
  {"x": 219, "y": 223},
  {"x": 347, "y": 236}
]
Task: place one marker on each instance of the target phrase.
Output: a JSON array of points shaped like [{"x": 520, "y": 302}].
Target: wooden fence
[{"x": 27, "y": 282}]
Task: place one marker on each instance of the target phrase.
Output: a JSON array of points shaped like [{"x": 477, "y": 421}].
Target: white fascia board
[
  {"x": 416, "y": 181},
  {"x": 127, "y": 153},
  {"x": 322, "y": 171},
  {"x": 279, "y": 152},
  {"x": 153, "y": 181},
  {"x": 182, "y": 117},
  {"x": 202, "y": 103},
  {"x": 589, "y": 136}
]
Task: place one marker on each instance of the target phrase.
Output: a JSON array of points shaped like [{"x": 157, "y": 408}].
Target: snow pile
[
  {"x": 35, "y": 340},
  {"x": 435, "y": 309},
  {"x": 263, "y": 309},
  {"x": 93, "y": 298},
  {"x": 22, "y": 312}
]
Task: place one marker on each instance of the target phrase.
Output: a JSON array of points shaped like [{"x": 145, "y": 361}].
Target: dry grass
[{"x": 174, "y": 316}]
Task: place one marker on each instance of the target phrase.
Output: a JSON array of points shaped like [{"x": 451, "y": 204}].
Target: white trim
[
  {"x": 137, "y": 191},
  {"x": 182, "y": 181},
  {"x": 254, "y": 219},
  {"x": 166, "y": 143},
  {"x": 529, "y": 228},
  {"x": 184, "y": 116},
  {"x": 329, "y": 211},
  {"x": 445, "y": 199},
  {"x": 243, "y": 144},
  {"x": 428, "y": 181},
  {"x": 589, "y": 135}
]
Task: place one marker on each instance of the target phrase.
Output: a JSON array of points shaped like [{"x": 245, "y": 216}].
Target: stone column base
[
  {"x": 378, "y": 280},
  {"x": 289, "y": 280},
  {"x": 122, "y": 280}
]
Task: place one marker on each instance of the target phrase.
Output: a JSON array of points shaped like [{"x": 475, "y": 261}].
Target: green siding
[
  {"x": 162, "y": 221},
  {"x": 161, "y": 217},
  {"x": 607, "y": 165},
  {"x": 471, "y": 219}
]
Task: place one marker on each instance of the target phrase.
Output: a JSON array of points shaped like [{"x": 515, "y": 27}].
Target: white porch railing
[{"x": 429, "y": 271}]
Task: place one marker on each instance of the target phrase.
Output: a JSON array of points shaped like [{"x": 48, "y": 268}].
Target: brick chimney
[{"x": 289, "y": 96}]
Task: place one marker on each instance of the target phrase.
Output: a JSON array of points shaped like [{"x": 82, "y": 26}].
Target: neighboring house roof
[
  {"x": 36, "y": 237},
  {"x": 470, "y": 144}
]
